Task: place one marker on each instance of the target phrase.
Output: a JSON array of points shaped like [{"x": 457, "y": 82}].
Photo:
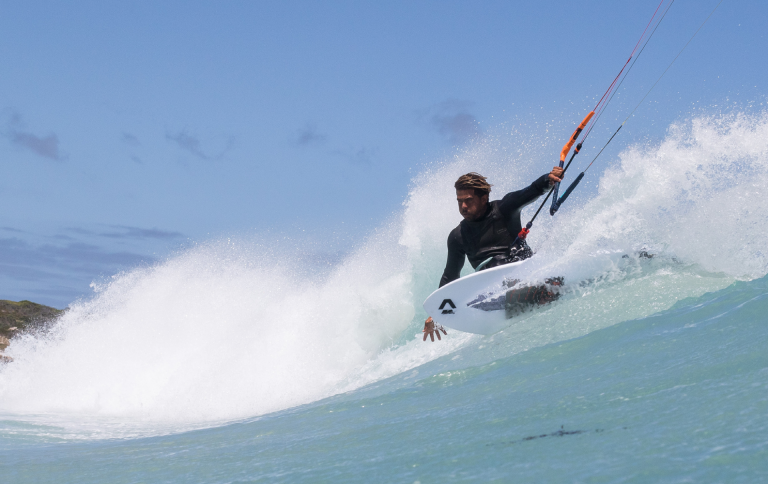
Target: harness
[{"x": 490, "y": 243}]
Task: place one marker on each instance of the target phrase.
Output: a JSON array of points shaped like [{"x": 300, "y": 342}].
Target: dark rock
[{"x": 18, "y": 317}]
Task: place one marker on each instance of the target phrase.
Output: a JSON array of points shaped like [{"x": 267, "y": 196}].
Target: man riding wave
[{"x": 488, "y": 230}]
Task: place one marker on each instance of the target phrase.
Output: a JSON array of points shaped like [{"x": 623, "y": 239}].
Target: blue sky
[{"x": 129, "y": 129}]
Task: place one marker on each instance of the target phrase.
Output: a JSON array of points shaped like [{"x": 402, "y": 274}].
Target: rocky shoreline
[{"x": 19, "y": 317}]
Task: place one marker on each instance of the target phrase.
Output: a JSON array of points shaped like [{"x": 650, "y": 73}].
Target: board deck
[{"x": 485, "y": 301}]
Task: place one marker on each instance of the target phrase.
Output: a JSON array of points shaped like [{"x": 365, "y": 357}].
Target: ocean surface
[{"x": 246, "y": 361}]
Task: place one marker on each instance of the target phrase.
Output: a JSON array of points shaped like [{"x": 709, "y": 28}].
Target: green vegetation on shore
[{"x": 24, "y": 315}]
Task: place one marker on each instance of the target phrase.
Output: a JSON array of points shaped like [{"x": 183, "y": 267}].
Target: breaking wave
[{"x": 233, "y": 329}]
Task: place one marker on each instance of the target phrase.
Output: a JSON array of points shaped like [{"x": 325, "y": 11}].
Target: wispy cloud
[
  {"x": 45, "y": 146},
  {"x": 134, "y": 145},
  {"x": 363, "y": 156},
  {"x": 309, "y": 136},
  {"x": 56, "y": 274},
  {"x": 127, "y": 232},
  {"x": 130, "y": 140},
  {"x": 56, "y": 268},
  {"x": 452, "y": 119},
  {"x": 75, "y": 257},
  {"x": 191, "y": 143},
  {"x": 187, "y": 142},
  {"x": 459, "y": 127}
]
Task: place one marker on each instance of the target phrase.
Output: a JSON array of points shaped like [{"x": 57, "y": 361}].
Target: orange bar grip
[{"x": 575, "y": 135}]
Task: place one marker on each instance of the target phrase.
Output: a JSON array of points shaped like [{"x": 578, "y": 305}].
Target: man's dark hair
[{"x": 473, "y": 181}]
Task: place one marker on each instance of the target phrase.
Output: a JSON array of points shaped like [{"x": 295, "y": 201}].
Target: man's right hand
[
  {"x": 556, "y": 175},
  {"x": 431, "y": 331}
]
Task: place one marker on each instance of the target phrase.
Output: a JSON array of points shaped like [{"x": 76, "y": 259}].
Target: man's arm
[
  {"x": 521, "y": 198},
  {"x": 455, "y": 261},
  {"x": 452, "y": 272}
]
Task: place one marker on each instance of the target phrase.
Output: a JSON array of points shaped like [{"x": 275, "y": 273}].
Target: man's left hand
[
  {"x": 556, "y": 175},
  {"x": 431, "y": 329}
]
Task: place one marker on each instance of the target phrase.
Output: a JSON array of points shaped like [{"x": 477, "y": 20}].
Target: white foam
[
  {"x": 215, "y": 333},
  {"x": 695, "y": 196}
]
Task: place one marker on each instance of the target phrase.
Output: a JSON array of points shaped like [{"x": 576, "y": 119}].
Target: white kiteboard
[{"x": 484, "y": 302}]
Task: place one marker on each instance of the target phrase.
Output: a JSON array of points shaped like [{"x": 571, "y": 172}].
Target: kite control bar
[
  {"x": 599, "y": 108},
  {"x": 555, "y": 202},
  {"x": 527, "y": 229}
]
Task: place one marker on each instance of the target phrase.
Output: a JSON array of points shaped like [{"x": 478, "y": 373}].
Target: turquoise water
[{"x": 219, "y": 366}]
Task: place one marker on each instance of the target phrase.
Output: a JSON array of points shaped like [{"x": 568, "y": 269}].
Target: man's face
[{"x": 471, "y": 206}]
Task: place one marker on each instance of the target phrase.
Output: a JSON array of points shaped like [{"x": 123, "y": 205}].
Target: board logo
[{"x": 450, "y": 303}]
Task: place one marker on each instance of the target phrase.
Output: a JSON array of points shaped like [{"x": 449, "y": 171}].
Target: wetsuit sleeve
[
  {"x": 515, "y": 201},
  {"x": 455, "y": 259}
]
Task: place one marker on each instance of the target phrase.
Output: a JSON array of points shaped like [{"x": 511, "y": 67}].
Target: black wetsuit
[{"x": 492, "y": 234}]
